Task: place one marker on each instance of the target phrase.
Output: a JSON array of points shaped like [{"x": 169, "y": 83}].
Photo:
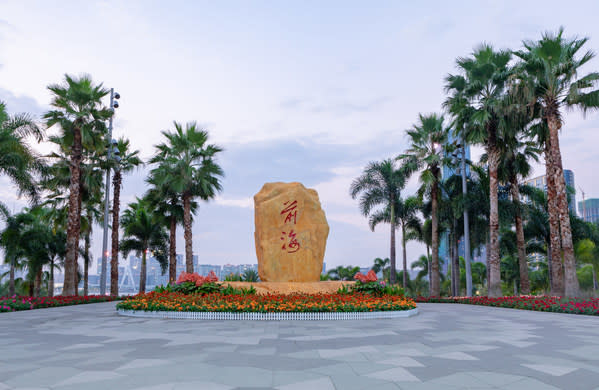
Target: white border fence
[{"x": 277, "y": 316}]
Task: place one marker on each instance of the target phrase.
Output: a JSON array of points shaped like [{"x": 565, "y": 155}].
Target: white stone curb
[{"x": 278, "y": 316}]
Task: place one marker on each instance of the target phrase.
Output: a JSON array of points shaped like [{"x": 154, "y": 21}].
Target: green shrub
[
  {"x": 230, "y": 290},
  {"x": 372, "y": 288},
  {"x": 343, "y": 290}
]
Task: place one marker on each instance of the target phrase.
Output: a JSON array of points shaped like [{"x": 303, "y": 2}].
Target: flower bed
[
  {"x": 298, "y": 303},
  {"x": 589, "y": 306},
  {"x": 17, "y": 303}
]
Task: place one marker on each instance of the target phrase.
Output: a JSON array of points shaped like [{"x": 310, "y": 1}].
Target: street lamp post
[
  {"x": 466, "y": 223},
  {"x": 111, "y": 145}
]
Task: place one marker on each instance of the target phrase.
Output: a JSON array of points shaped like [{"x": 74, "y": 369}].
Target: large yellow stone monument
[{"x": 291, "y": 233}]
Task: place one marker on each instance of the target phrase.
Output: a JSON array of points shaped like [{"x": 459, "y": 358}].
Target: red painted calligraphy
[{"x": 290, "y": 244}]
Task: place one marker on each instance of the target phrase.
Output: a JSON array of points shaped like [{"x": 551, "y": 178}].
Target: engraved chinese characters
[
  {"x": 290, "y": 241},
  {"x": 291, "y": 233}
]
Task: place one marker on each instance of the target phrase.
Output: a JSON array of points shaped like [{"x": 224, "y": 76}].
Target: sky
[{"x": 306, "y": 91}]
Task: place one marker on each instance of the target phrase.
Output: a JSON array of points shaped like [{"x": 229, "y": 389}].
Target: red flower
[{"x": 369, "y": 277}]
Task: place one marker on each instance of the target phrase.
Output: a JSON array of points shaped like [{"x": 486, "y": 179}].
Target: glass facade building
[
  {"x": 540, "y": 182},
  {"x": 589, "y": 210}
]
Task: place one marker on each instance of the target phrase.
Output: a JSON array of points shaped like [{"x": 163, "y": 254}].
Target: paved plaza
[{"x": 446, "y": 346}]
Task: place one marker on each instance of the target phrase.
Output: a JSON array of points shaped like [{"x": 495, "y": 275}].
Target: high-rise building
[
  {"x": 229, "y": 269},
  {"x": 540, "y": 182},
  {"x": 447, "y": 172},
  {"x": 204, "y": 269},
  {"x": 589, "y": 210}
]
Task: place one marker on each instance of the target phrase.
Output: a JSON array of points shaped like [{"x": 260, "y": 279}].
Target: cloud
[
  {"x": 335, "y": 105},
  {"x": 242, "y": 202},
  {"x": 19, "y": 104}
]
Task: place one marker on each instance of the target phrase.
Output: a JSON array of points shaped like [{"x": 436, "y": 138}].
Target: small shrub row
[{"x": 18, "y": 303}]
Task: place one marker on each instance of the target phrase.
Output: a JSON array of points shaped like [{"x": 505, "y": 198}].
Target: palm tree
[
  {"x": 167, "y": 204},
  {"x": 143, "y": 233},
  {"x": 127, "y": 161},
  {"x": 514, "y": 166},
  {"x": 549, "y": 71},
  {"x": 80, "y": 116},
  {"x": 343, "y": 273},
  {"x": 484, "y": 77},
  {"x": 405, "y": 218},
  {"x": 380, "y": 185},
  {"x": 11, "y": 239},
  {"x": 57, "y": 181},
  {"x": 196, "y": 173},
  {"x": 422, "y": 263},
  {"x": 381, "y": 265},
  {"x": 428, "y": 139},
  {"x": 17, "y": 160}
]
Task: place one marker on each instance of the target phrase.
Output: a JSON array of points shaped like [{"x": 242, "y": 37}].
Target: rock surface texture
[{"x": 291, "y": 233}]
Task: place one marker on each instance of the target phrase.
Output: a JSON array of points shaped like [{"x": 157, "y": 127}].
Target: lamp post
[
  {"x": 111, "y": 148},
  {"x": 466, "y": 222}
]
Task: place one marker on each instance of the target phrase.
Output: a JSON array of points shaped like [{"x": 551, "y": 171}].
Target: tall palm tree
[
  {"x": 128, "y": 160},
  {"x": 485, "y": 74},
  {"x": 143, "y": 234},
  {"x": 167, "y": 204},
  {"x": 550, "y": 68},
  {"x": 426, "y": 153},
  {"x": 56, "y": 182},
  {"x": 406, "y": 219},
  {"x": 514, "y": 166},
  {"x": 380, "y": 185},
  {"x": 17, "y": 160},
  {"x": 196, "y": 173},
  {"x": 80, "y": 116}
]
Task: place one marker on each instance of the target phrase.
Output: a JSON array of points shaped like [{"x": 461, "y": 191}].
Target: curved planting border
[{"x": 278, "y": 316}]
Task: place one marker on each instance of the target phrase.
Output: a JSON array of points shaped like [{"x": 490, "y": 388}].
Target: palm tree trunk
[
  {"x": 435, "y": 285},
  {"x": 549, "y": 262},
  {"x": 142, "y": 273},
  {"x": 86, "y": 259},
  {"x": 455, "y": 269},
  {"x": 51, "y": 280},
  {"x": 11, "y": 280},
  {"x": 78, "y": 277},
  {"x": 187, "y": 233},
  {"x": 557, "y": 276},
  {"x": 392, "y": 276},
  {"x": 428, "y": 260},
  {"x": 570, "y": 278},
  {"x": 494, "y": 260},
  {"x": 520, "y": 241},
  {"x": 405, "y": 257},
  {"x": 172, "y": 251},
  {"x": 73, "y": 219},
  {"x": 488, "y": 256},
  {"x": 37, "y": 283},
  {"x": 114, "y": 258}
]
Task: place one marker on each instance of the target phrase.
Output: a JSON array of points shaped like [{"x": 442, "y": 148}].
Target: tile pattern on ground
[{"x": 445, "y": 346}]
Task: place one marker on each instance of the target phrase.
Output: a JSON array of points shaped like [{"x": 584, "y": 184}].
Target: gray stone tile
[
  {"x": 312, "y": 384},
  {"x": 459, "y": 346}
]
